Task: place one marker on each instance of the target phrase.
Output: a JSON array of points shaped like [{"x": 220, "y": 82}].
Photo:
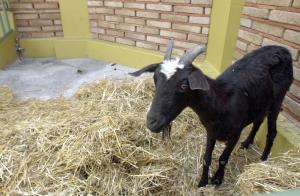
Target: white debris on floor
[{"x": 46, "y": 78}]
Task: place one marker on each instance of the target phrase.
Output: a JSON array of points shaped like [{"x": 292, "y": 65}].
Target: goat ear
[
  {"x": 149, "y": 68},
  {"x": 198, "y": 81}
]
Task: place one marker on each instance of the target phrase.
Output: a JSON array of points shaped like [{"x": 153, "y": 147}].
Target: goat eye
[{"x": 184, "y": 86}]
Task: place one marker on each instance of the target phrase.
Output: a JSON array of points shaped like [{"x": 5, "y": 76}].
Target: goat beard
[{"x": 166, "y": 132}]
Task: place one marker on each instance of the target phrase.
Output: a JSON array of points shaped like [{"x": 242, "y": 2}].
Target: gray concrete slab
[{"x": 46, "y": 78}]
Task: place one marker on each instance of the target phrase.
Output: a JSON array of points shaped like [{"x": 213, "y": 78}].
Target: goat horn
[
  {"x": 191, "y": 54},
  {"x": 168, "y": 54}
]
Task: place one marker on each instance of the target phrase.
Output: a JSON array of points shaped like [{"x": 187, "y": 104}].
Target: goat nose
[{"x": 152, "y": 122}]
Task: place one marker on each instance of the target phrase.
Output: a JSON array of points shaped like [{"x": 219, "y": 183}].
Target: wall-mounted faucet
[{"x": 19, "y": 49}]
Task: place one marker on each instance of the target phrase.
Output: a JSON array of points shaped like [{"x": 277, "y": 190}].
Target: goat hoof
[
  {"x": 245, "y": 145},
  {"x": 263, "y": 157},
  {"x": 202, "y": 183},
  {"x": 217, "y": 179}
]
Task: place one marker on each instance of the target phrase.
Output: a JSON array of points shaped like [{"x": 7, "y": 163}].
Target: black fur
[{"x": 248, "y": 91}]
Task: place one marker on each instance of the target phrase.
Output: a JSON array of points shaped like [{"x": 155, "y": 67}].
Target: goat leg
[
  {"x": 272, "y": 132},
  {"x": 249, "y": 140},
  {"x": 210, "y": 144},
  {"x": 217, "y": 179}
]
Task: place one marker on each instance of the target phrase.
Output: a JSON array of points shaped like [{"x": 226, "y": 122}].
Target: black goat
[{"x": 248, "y": 91}]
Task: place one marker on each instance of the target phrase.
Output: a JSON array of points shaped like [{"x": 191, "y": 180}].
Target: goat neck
[{"x": 208, "y": 104}]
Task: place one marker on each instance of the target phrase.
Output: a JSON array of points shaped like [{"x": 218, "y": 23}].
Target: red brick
[
  {"x": 207, "y": 11},
  {"x": 102, "y": 10},
  {"x": 147, "y": 45},
  {"x": 174, "y": 17},
  {"x": 132, "y": 35},
  {"x": 173, "y": 34},
  {"x": 176, "y": 1},
  {"x": 252, "y": 47},
  {"x": 275, "y": 2},
  {"x": 26, "y": 16},
  {"x": 91, "y": 11},
  {"x": 187, "y": 27},
  {"x": 113, "y": 3},
  {"x": 201, "y": 1},
  {"x": 114, "y": 18},
  {"x": 251, "y": 37},
  {"x": 50, "y": 16},
  {"x": 199, "y": 20},
  {"x": 115, "y": 33},
  {"x": 126, "y": 27},
  {"x": 145, "y": 14},
  {"x": 204, "y": 30},
  {"x": 135, "y": 21},
  {"x": 52, "y": 28},
  {"x": 183, "y": 44},
  {"x": 21, "y": 23},
  {"x": 285, "y": 17},
  {"x": 28, "y": 29},
  {"x": 246, "y": 22},
  {"x": 147, "y": 30},
  {"x": 125, "y": 41},
  {"x": 125, "y": 12},
  {"x": 59, "y": 34},
  {"x": 241, "y": 45},
  {"x": 40, "y": 22},
  {"x": 238, "y": 54},
  {"x": 134, "y": 5},
  {"x": 57, "y": 22},
  {"x": 158, "y": 40},
  {"x": 107, "y": 38},
  {"x": 27, "y": 1},
  {"x": 95, "y": 3},
  {"x": 197, "y": 38},
  {"x": 188, "y": 9},
  {"x": 292, "y": 36},
  {"x": 93, "y": 24},
  {"x": 98, "y": 30},
  {"x": 256, "y": 12},
  {"x": 21, "y": 6},
  {"x": 106, "y": 24},
  {"x": 157, "y": 23},
  {"x": 46, "y": 5},
  {"x": 160, "y": 7}
]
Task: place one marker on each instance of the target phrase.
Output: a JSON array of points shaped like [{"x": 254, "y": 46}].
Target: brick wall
[
  {"x": 266, "y": 22},
  {"x": 37, "y": 18},
  {"x": 150, "y": 23}
]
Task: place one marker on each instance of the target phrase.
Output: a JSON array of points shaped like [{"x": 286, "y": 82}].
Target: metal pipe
[
  {"x": 5, "y": 27},
  {"x": 2, "y": 30},
  {"x": 5, "y": 7}
]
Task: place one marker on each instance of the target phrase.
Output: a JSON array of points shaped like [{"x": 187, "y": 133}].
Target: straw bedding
[{"x": 96, "y": 143}]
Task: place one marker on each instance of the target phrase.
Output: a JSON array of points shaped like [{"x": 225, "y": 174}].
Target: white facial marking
[{"x": 169, "y": 67}]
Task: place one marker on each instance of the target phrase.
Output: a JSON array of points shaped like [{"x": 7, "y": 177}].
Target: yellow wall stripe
[
  {"x": 75, "y": 19},
  {"x": 225, "y": 23},
  {"x": 7, "y": 50}
]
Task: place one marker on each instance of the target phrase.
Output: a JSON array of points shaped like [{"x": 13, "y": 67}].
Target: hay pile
[
  {"x": 276, "y": 174},
  {"x": 97, "y": 143},
  {"x": 6, "y": 96}
]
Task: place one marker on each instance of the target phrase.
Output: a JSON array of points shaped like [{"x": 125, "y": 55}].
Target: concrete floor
[{"x": 46, "y": 78}]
